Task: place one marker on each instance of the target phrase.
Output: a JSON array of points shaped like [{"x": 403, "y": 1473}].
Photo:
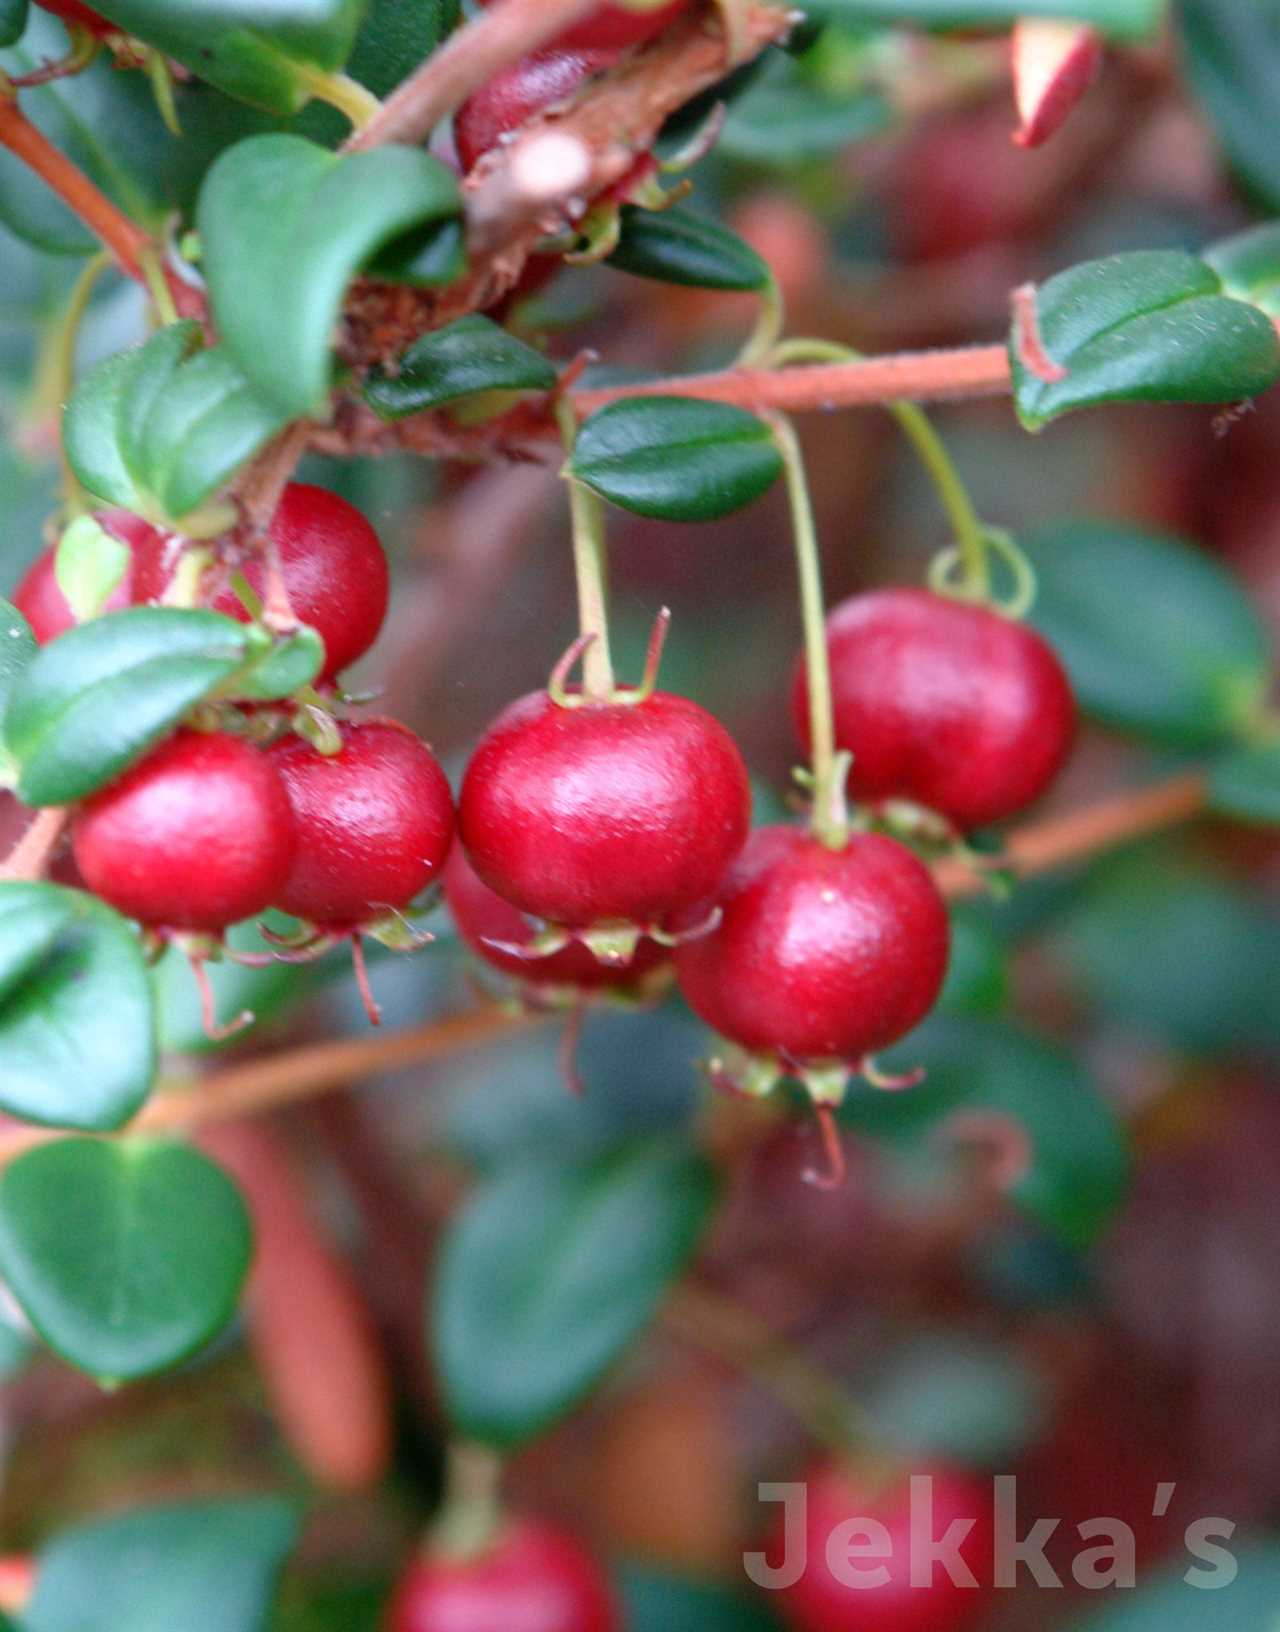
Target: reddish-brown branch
[{"x": 29, "y": 859}]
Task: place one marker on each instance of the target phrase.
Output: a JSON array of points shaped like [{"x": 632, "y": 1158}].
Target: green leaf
[
  {"x": 1246, "y": 784},
  {"x": 549, "y": 1274},
  {"x": 13, "y": 20},
  {"x": 676, "y": 458},
  {"x": 658, "y": 1602},
  {"x": 1232, "y": 58},
  {"x": 284, "y": 226},
  {"x": 17, "y": 648},
  {"x": 396, "y": 36},
  {"x": 1125, "y": 19},
  {"x": 468, "y": 356},
  {"x": 77, "y": 1031},
  {"x": 285, "y": 667},
  {"x": 977, "y": 974},
  {"x": 209, "y": 1565},
  {"x": 89, "y": 565},
  {"x": 1249, "y": 266},
  {"x": 788, "y": 117},
  {"x": 264, "y": 54},
  {"x": 681, "y": 246},
  {"x": 1158, "y": 638},
  {"x": 1166, "y": 1601},
  {"x": 1152, "y": 326},
  {"x": 97, "y": 698},
  {"x": 158, "y": 429},
  {"x": 126, "y": 1257},
  {"x": 980, "y": 1068}
]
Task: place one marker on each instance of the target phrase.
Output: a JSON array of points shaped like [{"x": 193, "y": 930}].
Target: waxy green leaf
[
  {"x": 77, "y": 1029},
  {"x": 1231, "y": 54},
  {"x": 1124, "y": 19},
  {"x": 466, "y": 357},
  {"x": 680, "y": 246},
  {"x": 126, "y": 1257},
  {"x": 1246, "y": 784},
  {"x": 549, "y": 1274},
  {"x": 285, "y": 225},
  {"x": 1153, "y": 326},
  {"x": 1249, "y": 265},
  {"x": 13, "y": 19},
  {"x": 676, "y": 458},
  {"x": 89, "y": 565},
  {"x": 17, "y": 648}
]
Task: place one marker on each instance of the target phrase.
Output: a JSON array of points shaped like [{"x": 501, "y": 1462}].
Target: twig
[
  {"x": 30, "y": 857},
  {"x": 497, "y": 38}
]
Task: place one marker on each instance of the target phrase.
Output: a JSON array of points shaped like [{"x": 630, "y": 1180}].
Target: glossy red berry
[
  {"x": 944, "y": 703},
  {"x": 615, "y": 28},
  {"x": 335, "y": 573},
  {"x": 821, "y": 955},
  {"x": 514, "y": 96},
  {"x": 71, "y": 11},
  {"x": 374, "y": 823},
  {"x": 821, "y": 1602},
  {"x": 608, "y": 813},
  {"x": 45, "y": 607},
  {"x": 533, "y": 1578},
  {"x": 197, "y": 836},
  {"x": 488, "y": 924}
]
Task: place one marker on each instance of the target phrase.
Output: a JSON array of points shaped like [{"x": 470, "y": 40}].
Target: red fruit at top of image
[
  {"x": 615, "y": 28},
  {"x": 532, "y": 1578},
  {"x": 820, "y": 1602},
  {"x": 197, "y": 836},
  {"x": 45, "y": 607},
  {"x": 71, "y": 11},
  {"x": 606, "y": 813},
  {"x": 820, "y": 955},
  {"x": 334, "y": 569},
  {"x": 514, "y": 96},
  {"x": 944, "y": 703},
  {"x": 374, "y": 824},
  {"x": 483, "y": 918}
]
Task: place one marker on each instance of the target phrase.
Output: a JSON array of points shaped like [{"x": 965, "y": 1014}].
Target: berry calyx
[
  {"x": 532, "y": 1576},
  {"x": 374, "y": 824},
  {"x": 616, "y": 28},
  {"x": 517, "y": 94},
  {"x": 196, "y": 837},
  {"x": 943, "y": 703},
  {"x": 72, "y": 12},
  {"x": 605, "y": 816},
  {"x": 884, "y": 1598},
  {"x": 150, "y": 568},
  {"x": 334, "y": 570},
  {"x": 821, "y": 957}
]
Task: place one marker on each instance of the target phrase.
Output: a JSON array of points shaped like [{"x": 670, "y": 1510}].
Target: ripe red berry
[
  {"x": 44, "y": 605},
  {"x": 71, "y": 11},
  {"x": 615, "y": 28},
  {"x": 514, "y": 96},
  {"x": 197, "y": 836},
  {"x": 374, "y": 823},
  {"x": 488, "y": 924},
  {"x": 532, "y": 1578},
  {"x": 604, "y": 814},
  {"x": 944, "y": 703},
  {"x": 821, "y": 955},
  {"x": 821, "y": 1602},
  {"x": 335, "y": 573}
]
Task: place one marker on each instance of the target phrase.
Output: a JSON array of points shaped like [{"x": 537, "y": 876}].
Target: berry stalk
[{"x": 590, "y": 566}]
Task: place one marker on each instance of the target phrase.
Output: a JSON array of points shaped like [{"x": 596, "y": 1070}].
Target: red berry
[
  {"x": 374, "y": 824},
  {"x": 484, "y": 918},
  {"x": 71, "y": 11},
  {"x": 609, "y": 813},
  {"x": 197, "y": 836},
  {"x": 44, "y": 605},
  {"x": 533, "y": 1578},
  {"x": 950, "y": 705},
  {"x": 821, "y": 955},
  {"x": 821, "y": 1602},
  {"x": 614, "y": 28},
  {"x": 335, "y": 573},
  {"x": 513, "y": 97}
]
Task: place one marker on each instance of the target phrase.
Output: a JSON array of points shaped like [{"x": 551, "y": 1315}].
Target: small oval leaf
[
  {"x": 17, "y": 648},
  {"x": 89, "y": 565},
  {"x": 676, "y": 458},
  {"x": 96, "y": 698},
  {"x": 13, "y": 19},
  {"x": 1125, "y": 19},
  {"x": 549, "y": 1274},
  {"x": 681, "y": 246},
  {"x": 1246, "y": 784},
  {"x": 77, "y": 1027},
  {"x": 285, "y": 225},
  {"x": 126, "y": 1257},
  {"x": 468, "y": 356}
]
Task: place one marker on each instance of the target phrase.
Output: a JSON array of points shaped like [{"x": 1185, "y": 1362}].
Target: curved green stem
[
  {"x": 340, "y": 91},
  {"x": 829, "y": 819},
  {"x": 763, "y": 340},
  {"x": 970, "y": 534},
  {"x": 158, "y": 286},
  {"x": 590, "y": 565},
  {"x": 57, "y": 369}
]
